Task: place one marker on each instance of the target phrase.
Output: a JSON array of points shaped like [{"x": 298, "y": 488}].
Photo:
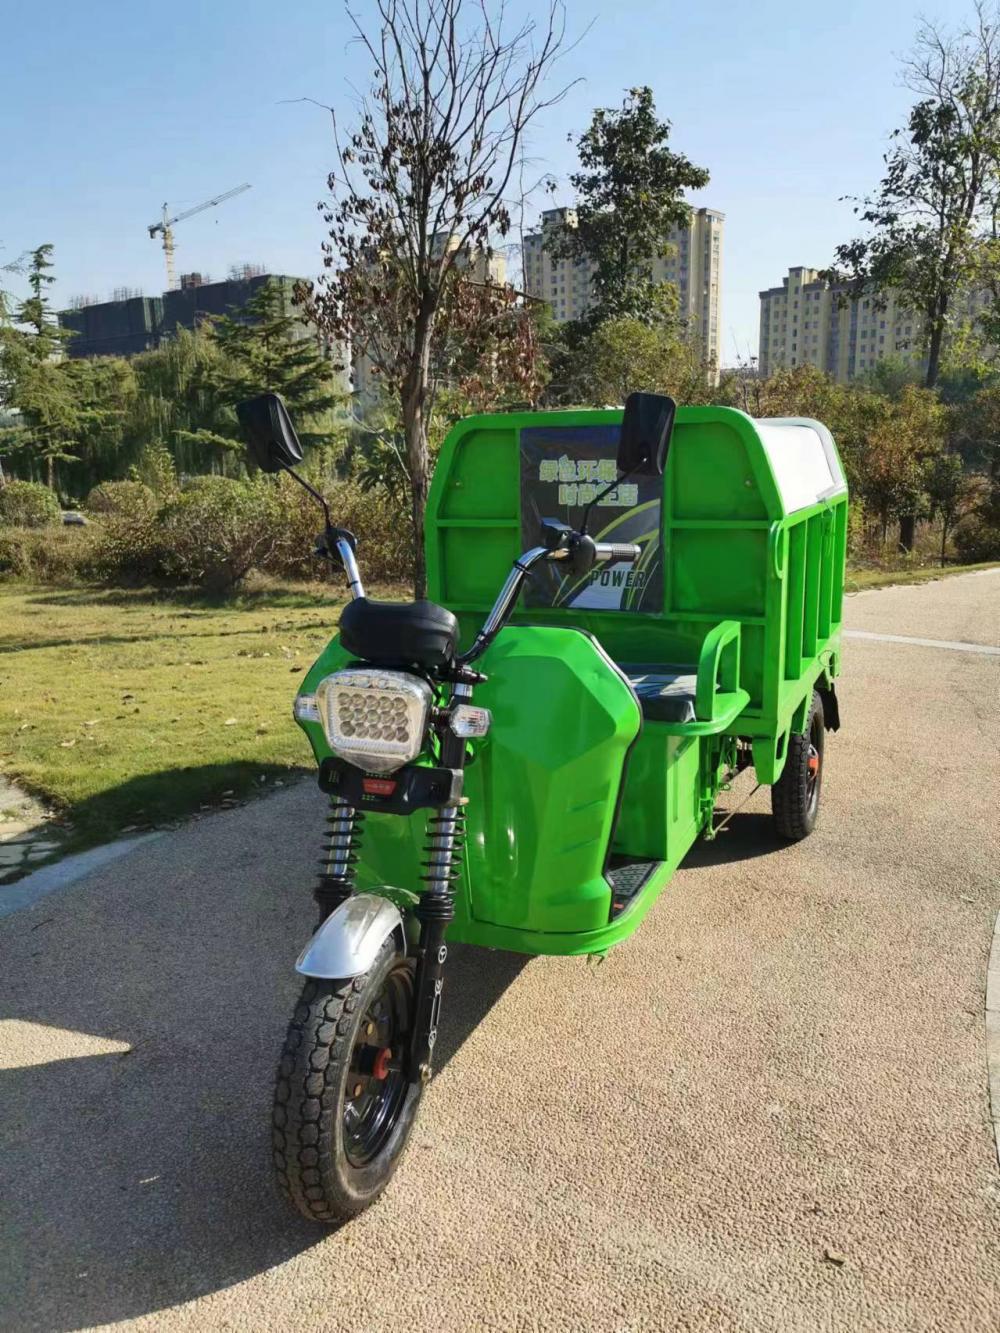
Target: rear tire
[
  {"x": 795, "y": 796},
  {"x": 343, "y": 1109}
]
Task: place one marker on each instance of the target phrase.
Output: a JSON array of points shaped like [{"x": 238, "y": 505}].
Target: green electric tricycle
[{"x": 527, "y": 773}]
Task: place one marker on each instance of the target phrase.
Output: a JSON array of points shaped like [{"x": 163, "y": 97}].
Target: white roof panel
[{"x": 803, "y": 459}]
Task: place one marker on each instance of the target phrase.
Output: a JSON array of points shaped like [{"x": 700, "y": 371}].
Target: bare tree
[{"x": 420, "y": 190}]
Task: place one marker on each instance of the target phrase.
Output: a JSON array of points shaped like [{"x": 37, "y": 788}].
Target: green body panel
[
  {"x": 545, "y": 783},
  {"x": 752, "y": 602},
  {"x": 730, "y": 553},
  {"x": 542, "y": 788}
]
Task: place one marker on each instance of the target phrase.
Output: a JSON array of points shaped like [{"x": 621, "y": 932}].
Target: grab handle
[{"x": 614, "y": 553}]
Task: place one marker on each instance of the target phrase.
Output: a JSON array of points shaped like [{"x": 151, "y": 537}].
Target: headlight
[{"x": 374, "y": 719}]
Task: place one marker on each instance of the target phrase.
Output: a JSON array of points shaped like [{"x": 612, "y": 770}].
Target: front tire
[
  {"x": 343, "y": 1107},
  {"x": 795, "y": 796}
]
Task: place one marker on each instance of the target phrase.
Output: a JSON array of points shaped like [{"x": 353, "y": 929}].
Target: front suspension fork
[
  {"x": 434, "y": 911},
  {"x": 340, "y": 855}
]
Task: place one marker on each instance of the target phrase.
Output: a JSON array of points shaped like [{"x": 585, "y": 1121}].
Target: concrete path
[
  {"x": 27, "y": 833},
  {"x": 768, "y": 1110}
]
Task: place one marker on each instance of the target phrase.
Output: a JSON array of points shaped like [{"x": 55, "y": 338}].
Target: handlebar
[
  {"x": 604, "y": 553},
  {"x": 614, "y": 553},
  {"x": 342, "y": 542}
]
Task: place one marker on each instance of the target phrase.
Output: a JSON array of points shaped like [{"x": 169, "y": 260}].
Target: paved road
[{"x": 767, "y": 1110}]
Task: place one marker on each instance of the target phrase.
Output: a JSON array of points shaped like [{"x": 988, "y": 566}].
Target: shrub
[
  {"x": 212, "y": 533},
  {"x": 130, "y": 549},
  {"x": 29, "y": 504},
  {"x": 977, "y": 540},
  {"x": 385, "y": 550},
  {"x": 156, "y": 470},
  {"x": 216, "y": 530},
  {"x": 122, "y": 499},
  {"x": 56, "y": 555}
]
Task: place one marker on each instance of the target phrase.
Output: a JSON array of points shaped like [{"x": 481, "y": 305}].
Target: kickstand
[{"x": 714, "y": 829}]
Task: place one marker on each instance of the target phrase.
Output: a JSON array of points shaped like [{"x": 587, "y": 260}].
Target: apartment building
[
  {"x": 694, "y": 267},
  {"x": 803, "y": 322},
  {"x": 135, "y": 323}
]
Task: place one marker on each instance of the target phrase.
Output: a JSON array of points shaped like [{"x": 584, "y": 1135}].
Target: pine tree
[
  {"x": 35, "y": 379},
  {"x": 264, "y": 348}
]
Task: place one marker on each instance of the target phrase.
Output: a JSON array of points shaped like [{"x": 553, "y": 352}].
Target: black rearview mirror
[
  {"x": 271, "y": 439},
  {"x": 645, "y": 435}
]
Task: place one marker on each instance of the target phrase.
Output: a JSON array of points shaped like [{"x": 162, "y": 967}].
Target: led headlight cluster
[{"x": 374, "y": 719}]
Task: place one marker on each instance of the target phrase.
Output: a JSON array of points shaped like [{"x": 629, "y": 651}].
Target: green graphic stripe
[
  {"x": 644, "y": 561},
  {"x": 622, "y": 518},
  {"x": 653, "y": 544}
]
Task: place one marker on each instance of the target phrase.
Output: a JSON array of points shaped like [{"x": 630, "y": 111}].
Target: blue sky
[{"x": 109, "y": 108}]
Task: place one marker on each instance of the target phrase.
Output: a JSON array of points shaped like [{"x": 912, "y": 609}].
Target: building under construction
[{"x": 136, "y": 323}]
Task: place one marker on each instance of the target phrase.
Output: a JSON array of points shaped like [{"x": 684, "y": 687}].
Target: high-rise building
[
  {"x": 807, "y": 322},
  {"x": 694, "y": 267}
]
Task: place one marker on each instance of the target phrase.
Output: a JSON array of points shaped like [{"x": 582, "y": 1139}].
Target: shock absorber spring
[
  {"x": 443, "y": 850},
  {"x": 340, "y": 856},
  {"x": 436, "y": 908}
]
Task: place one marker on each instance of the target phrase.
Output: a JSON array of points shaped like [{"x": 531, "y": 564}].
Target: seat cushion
[
  {"x": 665, "y": 693},
  {"x": 399, "y": 633}
]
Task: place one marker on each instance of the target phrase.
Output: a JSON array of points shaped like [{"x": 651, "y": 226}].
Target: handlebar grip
[{"x": 614, "y": 553}]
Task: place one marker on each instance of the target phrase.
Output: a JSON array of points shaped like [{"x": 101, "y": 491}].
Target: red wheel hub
[{"x": 380, "y": 1069}]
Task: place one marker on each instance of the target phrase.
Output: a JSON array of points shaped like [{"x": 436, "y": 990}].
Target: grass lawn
[
  {"x": 859, "y": 579},
  {"x": 131, "y": 709}
]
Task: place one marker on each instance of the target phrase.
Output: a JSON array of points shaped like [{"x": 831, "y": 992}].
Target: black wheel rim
[
  {"x": 814, "y": 764},
  {"x": 376, "y": 1081}
]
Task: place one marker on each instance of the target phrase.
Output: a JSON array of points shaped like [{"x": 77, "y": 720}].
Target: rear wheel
[
  {"x": 343, "y": 1106},
  {"x": 795, "y": 796}
]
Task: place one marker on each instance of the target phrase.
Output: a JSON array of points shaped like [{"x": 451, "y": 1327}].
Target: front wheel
[
  {"x": 795, "y": 796},
  {"x": 343, "y": 1106}
]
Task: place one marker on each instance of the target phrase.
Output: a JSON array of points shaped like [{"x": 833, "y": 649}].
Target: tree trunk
[
  {"x": 907, "y": 529},
  {"x": 416, "y": 454},
  {"x": 933, "y": 359},
  {"x": 51, "y": 472},
  {"x": 944, "y": 539},
  {"x": 414, "y": 400}
]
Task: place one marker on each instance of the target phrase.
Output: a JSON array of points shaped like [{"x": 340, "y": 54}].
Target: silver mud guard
[{"x": 349, "y": 940}]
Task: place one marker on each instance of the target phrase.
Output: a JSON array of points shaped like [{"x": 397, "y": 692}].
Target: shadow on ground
[
  {"x": 150, "y": 800},
  {"x": 748, "y": 834},
  {"x": 136, "y": 1180}
]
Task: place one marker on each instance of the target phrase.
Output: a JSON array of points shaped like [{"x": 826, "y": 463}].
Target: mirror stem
[
  {"x": 315, "y": 494},
  {"x": 607, "y": 491}
]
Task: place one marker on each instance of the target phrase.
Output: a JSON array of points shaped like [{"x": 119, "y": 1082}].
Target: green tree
[
  {"x": 264, "y": 347},
  {"x": 625, "y": 354},
  {"x": 35, "y": 380},
  {"x": 948, "y": 490},
  {"x": 889, "y": 376},
  {"x": 184, "y": 401},
  {"x": 930, "y": 215},
  {"x": 630, "y": 199},
  {"x": 104, "y": 390}
]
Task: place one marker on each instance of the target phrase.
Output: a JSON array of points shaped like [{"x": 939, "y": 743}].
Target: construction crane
[{"x": 166, "y": 227}]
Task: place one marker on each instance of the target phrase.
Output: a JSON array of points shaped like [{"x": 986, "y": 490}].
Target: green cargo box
[{"x": 721, "y": 632}]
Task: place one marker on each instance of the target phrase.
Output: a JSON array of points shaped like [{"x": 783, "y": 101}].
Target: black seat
[
  {"x": 666, "y": 693},
  {"x": 399, "y": 633}
]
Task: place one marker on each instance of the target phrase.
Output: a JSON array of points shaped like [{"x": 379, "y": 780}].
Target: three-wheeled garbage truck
[{"x": 626, "y": 609}]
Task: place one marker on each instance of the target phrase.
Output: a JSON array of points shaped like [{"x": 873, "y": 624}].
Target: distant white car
[{"x": 72, "y": 518}]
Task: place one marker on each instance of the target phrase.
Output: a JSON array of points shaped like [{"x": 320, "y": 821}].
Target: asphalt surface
[{"x": 767, "y": 1110}]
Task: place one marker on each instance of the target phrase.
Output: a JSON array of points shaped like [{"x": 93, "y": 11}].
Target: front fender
[{"x": 349, "y": 940}]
